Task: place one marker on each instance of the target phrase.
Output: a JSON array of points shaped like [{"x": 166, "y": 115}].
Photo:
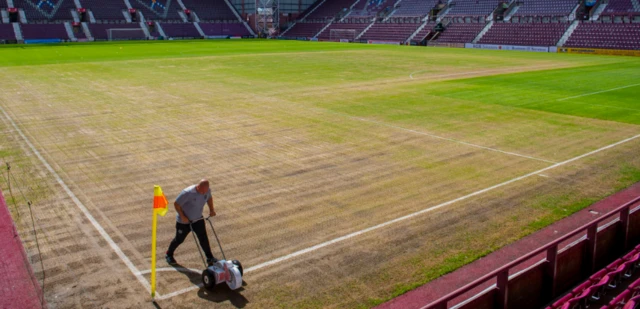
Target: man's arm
[
  {"x": 183, "y": 217},
  {"x": 212, "y": 212}
]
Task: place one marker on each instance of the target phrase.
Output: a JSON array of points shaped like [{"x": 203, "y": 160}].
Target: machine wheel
[
  {"x": 208, "y": 279},
  {"x": 237, "y": 263}
]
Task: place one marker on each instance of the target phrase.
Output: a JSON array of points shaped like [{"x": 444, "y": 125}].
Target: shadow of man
[{"x": 220, "y": 293}]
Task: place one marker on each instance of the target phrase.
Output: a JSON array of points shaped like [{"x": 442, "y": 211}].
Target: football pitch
[{"x": 342, "y": 174}]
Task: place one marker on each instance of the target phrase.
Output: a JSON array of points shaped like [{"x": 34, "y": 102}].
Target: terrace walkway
[{"x": 19, "y": 288}]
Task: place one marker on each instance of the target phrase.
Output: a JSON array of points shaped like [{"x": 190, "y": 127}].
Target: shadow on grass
[{"x": 219, "y": 294}]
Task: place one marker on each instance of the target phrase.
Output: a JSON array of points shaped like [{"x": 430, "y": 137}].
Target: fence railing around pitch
[{"x": 606, "y": 239}]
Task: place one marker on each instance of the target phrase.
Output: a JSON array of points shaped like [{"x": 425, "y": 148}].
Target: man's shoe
[
  {"x": 211, "y": 261},
  {"x": 170, "y": 260}
]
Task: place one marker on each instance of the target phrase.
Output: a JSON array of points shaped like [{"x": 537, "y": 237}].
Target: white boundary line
[
  {"x": 452, "y": 74},
  {"x": 442, "y": 138},
  {"x": 489, "y": 71},
  {"x": 193, "y": 270},
  {"x": 176, "y": 293},
  {"x": 417, "y": 213},
  {"x": 592, "y": 93},
  {"x": 83, "y": 208}
]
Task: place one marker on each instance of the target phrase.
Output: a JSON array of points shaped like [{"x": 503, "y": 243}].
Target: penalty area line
[
  {"x": 409, "y": 216},
  {"x": 445, "y": 138},
  {"x": 597, "y": 92},
  {"x": 180, "y": 269},
  {"x": 82, "y": 207}
]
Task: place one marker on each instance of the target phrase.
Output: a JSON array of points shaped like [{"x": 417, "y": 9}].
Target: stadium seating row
[
  {"x": 601, "y": 35},
  {"x": 156, "y": 10},
  {"x": 101, "y": 31},
  {"x": 610, "y": 277},
  {"x": 527, "y": 34}
]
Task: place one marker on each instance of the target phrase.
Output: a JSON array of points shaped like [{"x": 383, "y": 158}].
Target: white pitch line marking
[
  {"x": 81, "y": 206},
  {"x": 417, "y": 213},
  {"x": 597, "y": 92},
  {"x": 193, "y": 270},
  {"x": 449, "y": 75},
  {"x": 176, "y": 293},
  {"x": 501, "y": 70},
  {"x": 442, "y": 138}
]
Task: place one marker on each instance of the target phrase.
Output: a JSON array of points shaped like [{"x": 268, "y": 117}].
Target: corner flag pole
[
  {"x": 153, "y": 254},
  {"x": 159, "y": 208}
]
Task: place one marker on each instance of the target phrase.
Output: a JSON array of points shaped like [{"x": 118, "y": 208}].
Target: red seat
[
  {"x": 560, "y": 302},
  {"x": 615, "y": 264},
  {"x": 617, "y": 275},
  {"x": 620, "y": 300},
  {"x": 583, "y": 286},
  {"x": 630, "y": 255},
  {"x": 632, "y": 303},
  {"x": 597, "y": 290},
  {"x": 632, "y": 265},
  {"x": 598, "y": 275},
  {"x": 573, "y": 303},
  {"x": 634, "y": 287}
]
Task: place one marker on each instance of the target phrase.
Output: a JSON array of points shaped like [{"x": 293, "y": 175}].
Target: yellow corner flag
[
  {"x": 159, "y": 208},
  {"x": 159, "y": 201}
]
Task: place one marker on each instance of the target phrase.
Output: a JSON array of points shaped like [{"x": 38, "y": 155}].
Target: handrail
[{"x": 442, "y": 301}]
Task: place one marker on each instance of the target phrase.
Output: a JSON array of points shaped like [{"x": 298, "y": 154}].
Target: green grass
[{"x": 340, "y": 135}]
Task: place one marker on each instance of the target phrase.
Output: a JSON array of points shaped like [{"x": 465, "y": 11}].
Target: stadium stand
[
  {"x": 214, "y": 10},
  {"x": 100, "y": 31},
  {"x": 371, "y": 7},
  {"x": 527, "y": 34},
  {"x": 330, "y": 8},
  {"x": 460, "y": 32},
  {"x": 546, "y": 7},
  {"x": 225, "y": 29},
  {"x": 158, "y": 10},
  {"x": 605, "y": 35},
  {"x": 312, "y": 7},
  {"x": 305, "y": 30},
  {"x": 415, "y": 7},
  {"x": 107, "y": 10},
  {"x": 594, "y": 288},
  {"x": 473, "y": 7},
  {"x": 619, "y": 6},
  {"x": 180, "y": 30},
  {"x": 6, "y": 32},
  {"x": 153, "y": 31},
  {"x": 357, "y": 27},
  {"x": 396, "y": 32},
  {"x": 49, "y": 10},
  {"x": 423, "y": 34},
  {"x": 78, "y": 32},
  {"x": 43, "y": 31}
]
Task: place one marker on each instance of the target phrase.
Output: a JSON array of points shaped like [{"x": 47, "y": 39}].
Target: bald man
[{"x": 189, "y": 205}]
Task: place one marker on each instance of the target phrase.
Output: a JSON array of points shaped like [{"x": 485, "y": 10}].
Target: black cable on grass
[
  {"x": 13, "y": 199},
  {"x": 35, "y": 233},
  {"x": 33, "y": 222},
  {"x": 8, "y": 180}
]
